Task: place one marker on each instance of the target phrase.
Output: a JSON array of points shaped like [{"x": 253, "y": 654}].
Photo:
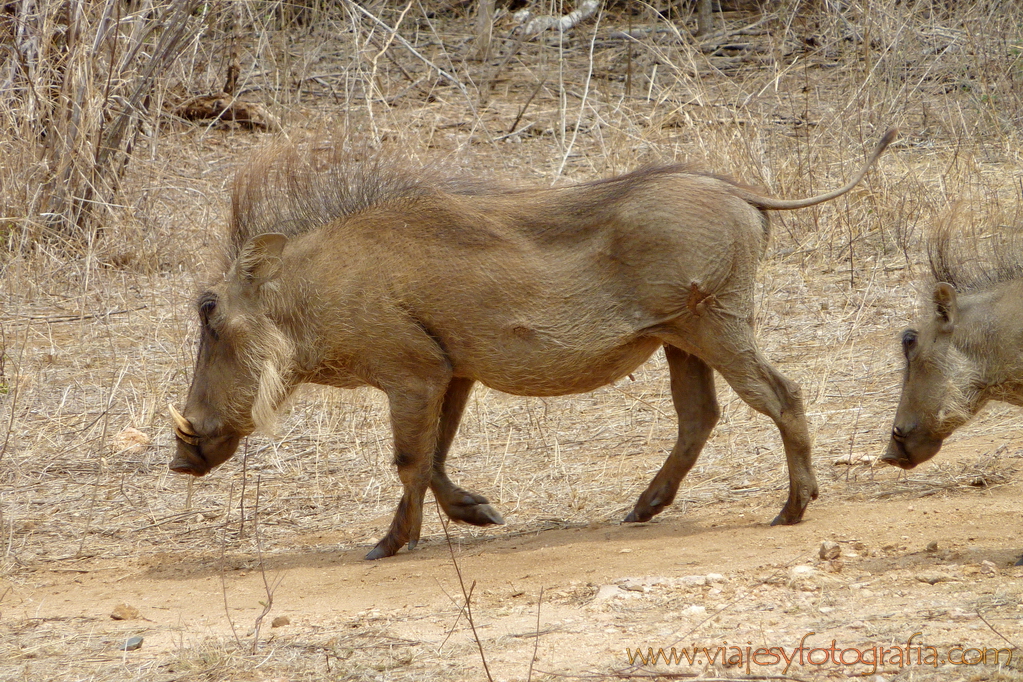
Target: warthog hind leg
[
  {"x": 692, "y": 390},
  {"x": 764, "y": 389},
  {"x": 730, "y": 348},
  {"x": 457, "y": 503}
]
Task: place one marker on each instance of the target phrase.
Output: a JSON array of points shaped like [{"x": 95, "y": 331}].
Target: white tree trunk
[{"x": 538, "y": 24}]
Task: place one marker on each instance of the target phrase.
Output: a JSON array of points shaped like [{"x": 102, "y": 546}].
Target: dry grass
[{"x": 100, "y": 339}]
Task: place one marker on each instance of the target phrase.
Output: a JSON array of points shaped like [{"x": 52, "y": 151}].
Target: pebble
[
  {"x": 124, "y": 612},
  {"x": 931, "y": 578},
  {"x": 829, "y": 550},
  {"x": 132, "y": 644}
]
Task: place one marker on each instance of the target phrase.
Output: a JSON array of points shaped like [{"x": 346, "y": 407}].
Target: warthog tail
[{"x": 771, "y": 203}]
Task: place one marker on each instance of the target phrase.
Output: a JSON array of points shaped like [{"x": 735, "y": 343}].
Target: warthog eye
[
  {"x": 908, "y": 341},
  {"x": 207, "y": 304}
]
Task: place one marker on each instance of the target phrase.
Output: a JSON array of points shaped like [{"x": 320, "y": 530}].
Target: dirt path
[{"x": 716, "y": 577}]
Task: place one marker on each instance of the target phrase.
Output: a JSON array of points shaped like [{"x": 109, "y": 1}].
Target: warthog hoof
[
  {"x": 375, "y": 553},
  {"x": 788, "y": 517},
  {"x": 633, "y": 517},
  {"x": 384, "y": 549},
  {"x": 783, "y": 520},
  {"x": 795, "y": 507},
  {"x": 473, "y": 509},
  {"x": 481, "y": 515},
  {"x": 651, "y": 503}
]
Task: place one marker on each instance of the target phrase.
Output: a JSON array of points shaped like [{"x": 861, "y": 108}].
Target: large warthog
[{"x": 350, "y": 275}]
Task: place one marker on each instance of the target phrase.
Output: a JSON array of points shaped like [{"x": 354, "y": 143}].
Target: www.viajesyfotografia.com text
[{"x": 867, "y": 660}]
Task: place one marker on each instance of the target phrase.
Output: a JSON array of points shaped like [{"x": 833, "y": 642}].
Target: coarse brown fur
[{"x": 421, "y": 285}]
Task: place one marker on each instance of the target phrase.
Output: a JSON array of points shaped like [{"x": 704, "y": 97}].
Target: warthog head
[
  {"x": 939, "y": 388},
  {"x": 243, "y": 366}
]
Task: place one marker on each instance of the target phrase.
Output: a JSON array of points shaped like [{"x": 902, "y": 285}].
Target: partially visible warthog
[
  {"x": 967, "y": 351},
  {"x": 422, "y": 286}
]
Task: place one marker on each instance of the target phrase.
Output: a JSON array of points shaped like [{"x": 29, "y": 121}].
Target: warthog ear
[
  {"x": 260, "y": 259},
  {"x": 945, "y": 307}
]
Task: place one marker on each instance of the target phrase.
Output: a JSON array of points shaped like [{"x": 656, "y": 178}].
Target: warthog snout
[
  {"x": 198, "y": 455},
  {"x": 906, "y": 449},
  {"x": 896, "y": 453}
]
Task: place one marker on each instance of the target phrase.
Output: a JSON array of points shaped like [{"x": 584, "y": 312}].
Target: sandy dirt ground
[{"x": 869, "y": 578}]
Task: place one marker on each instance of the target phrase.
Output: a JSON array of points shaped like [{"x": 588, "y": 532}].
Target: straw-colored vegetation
[{"x": 114, "y": 200}]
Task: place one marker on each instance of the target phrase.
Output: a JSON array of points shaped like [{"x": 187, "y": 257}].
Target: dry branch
[{"x": 224, "y": 107}]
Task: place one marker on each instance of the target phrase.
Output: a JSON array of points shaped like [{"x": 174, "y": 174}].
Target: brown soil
[{"x": 939, "y": 565}]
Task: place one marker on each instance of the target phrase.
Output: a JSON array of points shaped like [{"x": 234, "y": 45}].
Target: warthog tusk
[
  {"x": 182, "y": 428},
  {"x": 191, "y": 440}
]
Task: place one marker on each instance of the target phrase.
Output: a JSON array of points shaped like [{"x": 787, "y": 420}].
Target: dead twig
[
  {"x": 466, "y": 594},
  {"x": 75, "y": 318},
  {"x": 995, "y": 630},
  {"x": 536, "y": 641},
  {"x": 268, "y": 585},
  {"x": 223, "y": 566}
]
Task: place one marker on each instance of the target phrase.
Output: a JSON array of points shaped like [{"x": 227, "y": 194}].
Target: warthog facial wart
[{"x": 349, "y": 274}]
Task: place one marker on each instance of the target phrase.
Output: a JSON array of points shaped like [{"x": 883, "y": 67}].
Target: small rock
[
  {"x": 932, "y": 546},
  {"x": 988, "y": 567},
  {"x": 280, "y": 621},
  {"x": 694, "y": 610},
  {"x": 715, "y": 578},
  {"x": 932, "y": 578},
  {"x": 803, "y": 578},
  {"x": 607, "y": 592},
  {"x": 833, "y": 566},
  {"x": 124, "y": 612},
  {"x": 829, "y": 550},
  {"x": 132, "y": 644}
]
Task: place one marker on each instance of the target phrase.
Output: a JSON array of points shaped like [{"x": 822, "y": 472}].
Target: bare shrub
[{"x": 77, "y": 81}]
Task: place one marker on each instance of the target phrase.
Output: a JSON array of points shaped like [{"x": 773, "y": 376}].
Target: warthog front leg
[
  {"x": 458, "y": 504},
  {"x": 692, "y": 390},
  {"x": 424, "y": 424},
  {"x": 415, "y": 416}
]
